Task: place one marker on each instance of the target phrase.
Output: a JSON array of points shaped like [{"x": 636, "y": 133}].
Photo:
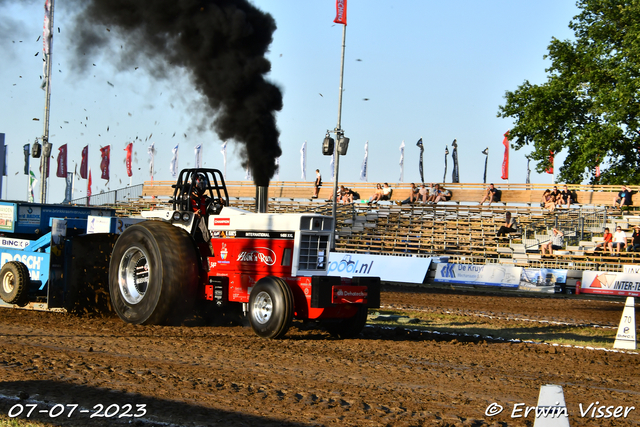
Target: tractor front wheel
[
  {"x": 271, "y": 307},
  {"x": 14, "y": 283}
]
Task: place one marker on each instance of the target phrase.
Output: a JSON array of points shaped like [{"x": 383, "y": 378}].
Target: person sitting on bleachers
[
  {"x": 623, "y": 198},
  {"x": 565, "y": 197},
  {"x": 423, "y": 193},
  {"x": 554, "y": 244},
  {"x": 548, "y": 201},
  {"x": 606, "y": 243},
  {"x": 445, "y": 195},
  {"x": 386, "y": 192},
  {"x": 376, "y": 195},
  {"x": 433, "y": 195},
  {"x": 413, "y": 196},
  {"x": 509, "y": 225},
  {"x": 491, "y": 195},
  {"x": 635, "y": 239},
  {"x": 619, "y": 240}
]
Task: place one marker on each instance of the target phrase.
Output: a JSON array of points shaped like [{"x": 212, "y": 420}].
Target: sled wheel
[
  {"x": 14, "y": 279},
  {"x": 153, "y": 273},
  {"x": 349, "y": 327},
  {"x": 271, "y": 307}
]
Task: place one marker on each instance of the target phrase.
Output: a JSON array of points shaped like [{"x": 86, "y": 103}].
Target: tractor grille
[{"x": 314, "y": 252}]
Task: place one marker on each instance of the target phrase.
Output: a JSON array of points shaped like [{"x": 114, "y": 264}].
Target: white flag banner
[
  {"x": 363, "y": 169},
  {"x": 152, "y": 151},
  {"x": 173, "y": 166},
  {"x": 47, "y": 39},
  {"x": 224, "y": 158},
  {"x": 402, "y": 162},
  {"x": 332, "y": 162},
  {"x": 303, "y": 161},
  {"x": 198, "y": 151},
  {"x": 247, "y": 174}
]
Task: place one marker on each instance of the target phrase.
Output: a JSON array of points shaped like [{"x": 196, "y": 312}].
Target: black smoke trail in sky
[{"x": 221, "y": 43}]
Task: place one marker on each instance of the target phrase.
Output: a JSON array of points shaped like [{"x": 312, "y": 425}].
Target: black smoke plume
[{"x": 221, "y": 43}]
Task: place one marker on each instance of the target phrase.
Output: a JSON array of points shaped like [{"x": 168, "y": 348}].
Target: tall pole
[
  {"x": 339, "y": 135},
  {"x": 46, "y": 146}
]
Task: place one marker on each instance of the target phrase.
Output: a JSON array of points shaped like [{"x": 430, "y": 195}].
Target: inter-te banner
[{"x": 341, "y": 12}]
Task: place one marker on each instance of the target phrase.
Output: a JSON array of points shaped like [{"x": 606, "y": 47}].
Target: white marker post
[
  {"x": 551, "y": 410},
  {"x": 626, "y": 336}
]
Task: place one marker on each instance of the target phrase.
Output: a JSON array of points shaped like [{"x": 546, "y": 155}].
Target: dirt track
[{"x": 227, "y": 376}]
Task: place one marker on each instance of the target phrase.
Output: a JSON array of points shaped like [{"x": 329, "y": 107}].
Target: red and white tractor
[{"x": 272, "y": 265}]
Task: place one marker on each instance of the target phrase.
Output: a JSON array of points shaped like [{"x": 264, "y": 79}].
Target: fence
[
  {"x": 576, "y": 224},
  {"x": 112, "y": 197}
]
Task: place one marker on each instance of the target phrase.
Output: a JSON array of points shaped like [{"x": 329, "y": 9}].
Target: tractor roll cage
[{"x": 215, "y": 187}]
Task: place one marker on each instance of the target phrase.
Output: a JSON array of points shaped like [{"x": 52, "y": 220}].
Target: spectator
[
  {"x": 565, "y": 197},
  {"x": 606, "y": 243},
  {"x": 490, "y": 195},
  {"x": 433, "y": 195},
  {"x": 445, "y": 195},
  {"x": 556, "y": 195},
  {"x": 377, "y": 194},
  {"x": 619, "y": 240},
  {"x": 423, "y": 193},
  {"x": 635, "y": 239},
  {"x": 317, "y": 184},
  {"x": 548, "y": 201},
  {"x": 340, "y": 192},
  {"x": 386, "y": 192},
  {"x": 623, "y": 198},
  {"x": 554, "y": 244},
  {"x": 413, "y": 196},
  {"x": 509, "y": 225}
]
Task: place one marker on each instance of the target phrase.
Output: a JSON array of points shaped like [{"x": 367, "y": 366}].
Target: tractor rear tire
[
  {"x": 349, "y": 327},
  {"x": 153, "y": 273},
  {"x": 271, "y": 307},
  {"x": 14, "y": 283}
]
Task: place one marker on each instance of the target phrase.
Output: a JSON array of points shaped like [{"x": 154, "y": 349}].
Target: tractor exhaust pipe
[{"x": 262, "y": 197}]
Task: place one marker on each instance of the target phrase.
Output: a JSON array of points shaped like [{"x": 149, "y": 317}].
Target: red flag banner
[
  {"x": 62, "y": 162},
  {"x": 550, "y": 170},
  {"x": 127, "y": 161},
  {"x": 84, "y": 164},
  {"x": 341, "y": 12},
  {"x": 505, "y": 161},
  {"x": 89, "y": 187},
  {"x": 105, "y": 152},
  {"x": 598, "y": 171}
]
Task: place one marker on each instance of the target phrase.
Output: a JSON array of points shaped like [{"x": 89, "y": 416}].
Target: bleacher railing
[
  {"x": 122, "y": 195},
  {"x": 576, "y": 224}
]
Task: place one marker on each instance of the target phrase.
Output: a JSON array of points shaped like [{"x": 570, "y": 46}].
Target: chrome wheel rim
[
  {"x": 262, "y": 309},
  {"x": 133, "y": 277}
]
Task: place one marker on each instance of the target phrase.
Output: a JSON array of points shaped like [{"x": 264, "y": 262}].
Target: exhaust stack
[{"x": 262, "y": 197}]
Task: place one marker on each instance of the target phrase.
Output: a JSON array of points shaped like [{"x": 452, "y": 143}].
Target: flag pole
[
  {"x": 46, "y": 146},
  {"x": 339, "y": 135}
]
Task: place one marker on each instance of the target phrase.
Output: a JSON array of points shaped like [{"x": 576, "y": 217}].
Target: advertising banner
[
  {"x": 607, "y": 283},
  {"x": 542, "y": 279},
  {"x": 7, "y": 216},
  {"x": 387, "y": 268},
  {"x": 489, "y": 274}
]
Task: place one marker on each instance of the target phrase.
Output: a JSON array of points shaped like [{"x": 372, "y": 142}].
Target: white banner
[
  {"x": 402, "y": 162},
  {"x": 387, "y": 268},
  {"x": 363, "y": 169},
  {"x": 173, "y": 166},
  {"x": 198, "y": 152},
  {"x": 151, "y": 150},
  {"x": 224, "y": 158},
  {"x": 488, "y": 274},
  {"x": 607, "y": 283},
  {"x": 303, "y": 161}
]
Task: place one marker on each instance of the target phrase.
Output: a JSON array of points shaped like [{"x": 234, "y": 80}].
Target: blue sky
[{"x": 429, "y": 69}]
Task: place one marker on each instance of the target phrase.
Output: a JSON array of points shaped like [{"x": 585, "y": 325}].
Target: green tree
[{"x": 590, "y": 104}]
